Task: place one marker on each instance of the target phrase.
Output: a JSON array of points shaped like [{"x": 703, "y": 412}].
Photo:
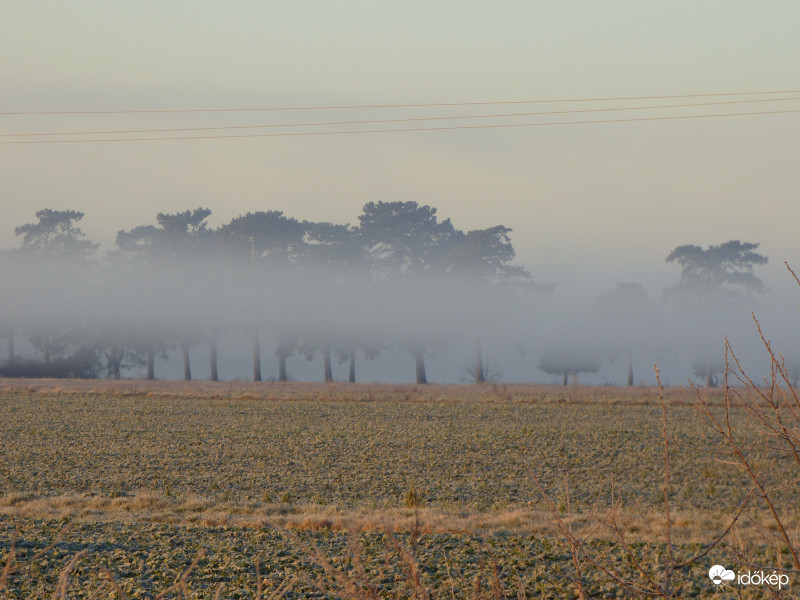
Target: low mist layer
[{"x": 410, "y": 293}]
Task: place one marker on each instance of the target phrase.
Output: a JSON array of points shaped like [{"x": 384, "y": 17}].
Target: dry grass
[
  {"x": 689, "y": 526},
  {"x": 349, "y": 392}
]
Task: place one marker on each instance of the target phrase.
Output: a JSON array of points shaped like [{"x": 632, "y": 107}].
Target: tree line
[
  {"x": 400, "y": 279},
  {"x": 180, "y": 283}
]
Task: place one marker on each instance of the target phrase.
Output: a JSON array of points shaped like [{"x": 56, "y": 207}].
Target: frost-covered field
[{"x": 149, "y": 474}]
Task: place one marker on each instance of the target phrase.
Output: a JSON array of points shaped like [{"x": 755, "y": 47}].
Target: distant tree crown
[
  {"x": 717, "y": 269},
  {"x": 56, "y": 235}
]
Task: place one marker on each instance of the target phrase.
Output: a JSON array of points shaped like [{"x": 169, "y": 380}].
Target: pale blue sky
[{"x": 607, "y": 201}]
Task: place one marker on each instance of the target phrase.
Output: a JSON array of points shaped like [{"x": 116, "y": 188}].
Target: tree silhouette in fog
[
  {"x": 56, "y": 236},
  {"x": 714, "y": 283},
  {"x": 717, "y": 271},
  {"x": 401, "y": 278},
  {"x": 335, "y": 264},
  {"x": 481, "y": 259},
  {"x": 626, "y": 324},
  {"x": 571, "y": 353},
  {"x": 270, "y": 236},
  {"x": 403, "y": 241},
  {"x": 272, "y": 244},
  {"x": 59, "y": 251},
  {"x": 400, "y": 238},
  {"x": 162, "y": 258}
]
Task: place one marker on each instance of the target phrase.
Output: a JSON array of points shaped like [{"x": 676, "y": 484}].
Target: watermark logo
[{"x": 719, "y": 575}]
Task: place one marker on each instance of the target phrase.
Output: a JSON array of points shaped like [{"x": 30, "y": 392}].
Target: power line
[
  {"x": 414, "y": 129},
  {"x": 370, "y": 106},
  {"x": 403, "y": 120}
]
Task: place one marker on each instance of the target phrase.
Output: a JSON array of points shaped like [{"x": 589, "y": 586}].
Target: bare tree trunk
[
  {"x": 256, "y": 356},
  {"x": 419, "y": 360},
  {"x": 326, "y": 362},
  {"x": 10, "y": 334},
  {"x": 565, "y": 377},
  {"x": 630, "y": 371},
  {"x": 187, "y": 368},
  {"x": 281, "y": 353},
  {"x": 480, "y": 376},
  {"x": 151, "y": 363},
  {"x": 352, "y": 376},
  {"x": 114, "y": 358},
  {"x": 282, "y": 368},
  {"x": 214, "y": 371}
]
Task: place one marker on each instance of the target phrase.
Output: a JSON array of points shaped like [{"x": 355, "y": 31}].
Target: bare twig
[
  {"x": 63, "y": 579},
  {"x": 666, "y": 588},
  {"x": 12, "y": 566},
  {"x": 107, "y": 574}
]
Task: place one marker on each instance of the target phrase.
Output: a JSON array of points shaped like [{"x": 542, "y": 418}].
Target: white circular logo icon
[{"x": 718, "y": 574}]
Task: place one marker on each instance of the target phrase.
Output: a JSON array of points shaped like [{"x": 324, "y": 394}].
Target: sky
[{"x": 590, "y": 205}]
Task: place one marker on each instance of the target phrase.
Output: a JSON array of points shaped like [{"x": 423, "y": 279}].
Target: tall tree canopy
[
  {"x": 715, "y": 284},
  {"x": 56, "y": 258},
  {"x": 717, "y": 270},
  {"x": 404, "y": 237},
  {"x": 178, "y": 235},
  {"x": 484, "y": 255},
  {"x": 56, "y": 234},
  {"x": 269, "y": 235},
  {"x": 402, "y": 277}
]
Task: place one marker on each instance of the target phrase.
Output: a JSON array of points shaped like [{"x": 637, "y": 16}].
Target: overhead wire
[
  {"x": 398, "y": 120},
  {"x": 412, "y": 129},
  {"x": 380, "y": 106}
]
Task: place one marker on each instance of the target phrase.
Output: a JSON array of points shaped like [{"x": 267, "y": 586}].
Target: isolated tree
[
  {"x": 570, "y": 354},
  {"x": 481, "y": 370},
  {"x": 59, "y": 257},
  {"x": 715, "y": 284},
  {"x": 625, "y": 320},
  {"x": 718, "y": 271}
]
